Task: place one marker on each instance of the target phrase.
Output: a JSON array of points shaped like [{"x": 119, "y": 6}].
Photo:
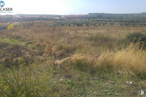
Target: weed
[{"x": 70, "y": 83}]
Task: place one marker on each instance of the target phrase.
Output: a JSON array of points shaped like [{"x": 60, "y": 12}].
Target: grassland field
[{"x": 39, "y": 60}]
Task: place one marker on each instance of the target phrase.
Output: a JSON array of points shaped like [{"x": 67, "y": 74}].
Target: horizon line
[{"x": 72, "y": 14}]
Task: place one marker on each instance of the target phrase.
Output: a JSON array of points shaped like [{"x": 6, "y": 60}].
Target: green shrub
[
  {"x": 136, "y": 37},
  {"x": 3, "y": 27}
]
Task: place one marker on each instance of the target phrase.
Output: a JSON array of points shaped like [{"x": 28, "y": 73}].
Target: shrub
[
  {"x": 136, "y": 37},
  {"x": 3, "y": 27}
]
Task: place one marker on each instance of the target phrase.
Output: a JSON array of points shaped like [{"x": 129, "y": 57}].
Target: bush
[
  {"x": 136, "y": 37},
  {"x": 3, "y": 27}
]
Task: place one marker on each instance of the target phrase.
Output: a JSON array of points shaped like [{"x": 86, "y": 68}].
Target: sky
[{"x": 66, "y": 7}]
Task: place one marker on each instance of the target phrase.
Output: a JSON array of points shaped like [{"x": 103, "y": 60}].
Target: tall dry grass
[
  {"x": 99, "y": 43},
  {"x": 65, "y": 59},
  {"x": 127, "y": 61}
]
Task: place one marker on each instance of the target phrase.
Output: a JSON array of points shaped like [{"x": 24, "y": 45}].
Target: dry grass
[
  {"x": 98, "y": 43},
  {"x": 67, "y": 55}
]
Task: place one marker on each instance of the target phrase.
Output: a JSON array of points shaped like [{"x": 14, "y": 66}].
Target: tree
[{"x": 111, "y": 23}]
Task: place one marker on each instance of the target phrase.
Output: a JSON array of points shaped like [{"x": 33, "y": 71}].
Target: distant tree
[
  {"x": 111, "y": 23},
  {"x": 94, "y": 24},
  {"x": 141, "y": 25},
  {"x": 104, "y": 24},
  {"x": 121, "y": 24},
  {"x": 3, "y": 27},
  {"x": 144, "y": 24}
]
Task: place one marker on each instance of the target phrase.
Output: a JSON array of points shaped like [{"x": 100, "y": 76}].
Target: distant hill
[{"x": 130, "y": 16}]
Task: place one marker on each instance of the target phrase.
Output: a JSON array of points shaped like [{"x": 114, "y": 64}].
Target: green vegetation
[
  {"x": 3, "y": 27},
  {"x": 136, "y": 38}
]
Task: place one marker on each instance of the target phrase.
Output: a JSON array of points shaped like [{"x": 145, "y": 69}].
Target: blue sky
[{"x": 63, "y": 7}]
